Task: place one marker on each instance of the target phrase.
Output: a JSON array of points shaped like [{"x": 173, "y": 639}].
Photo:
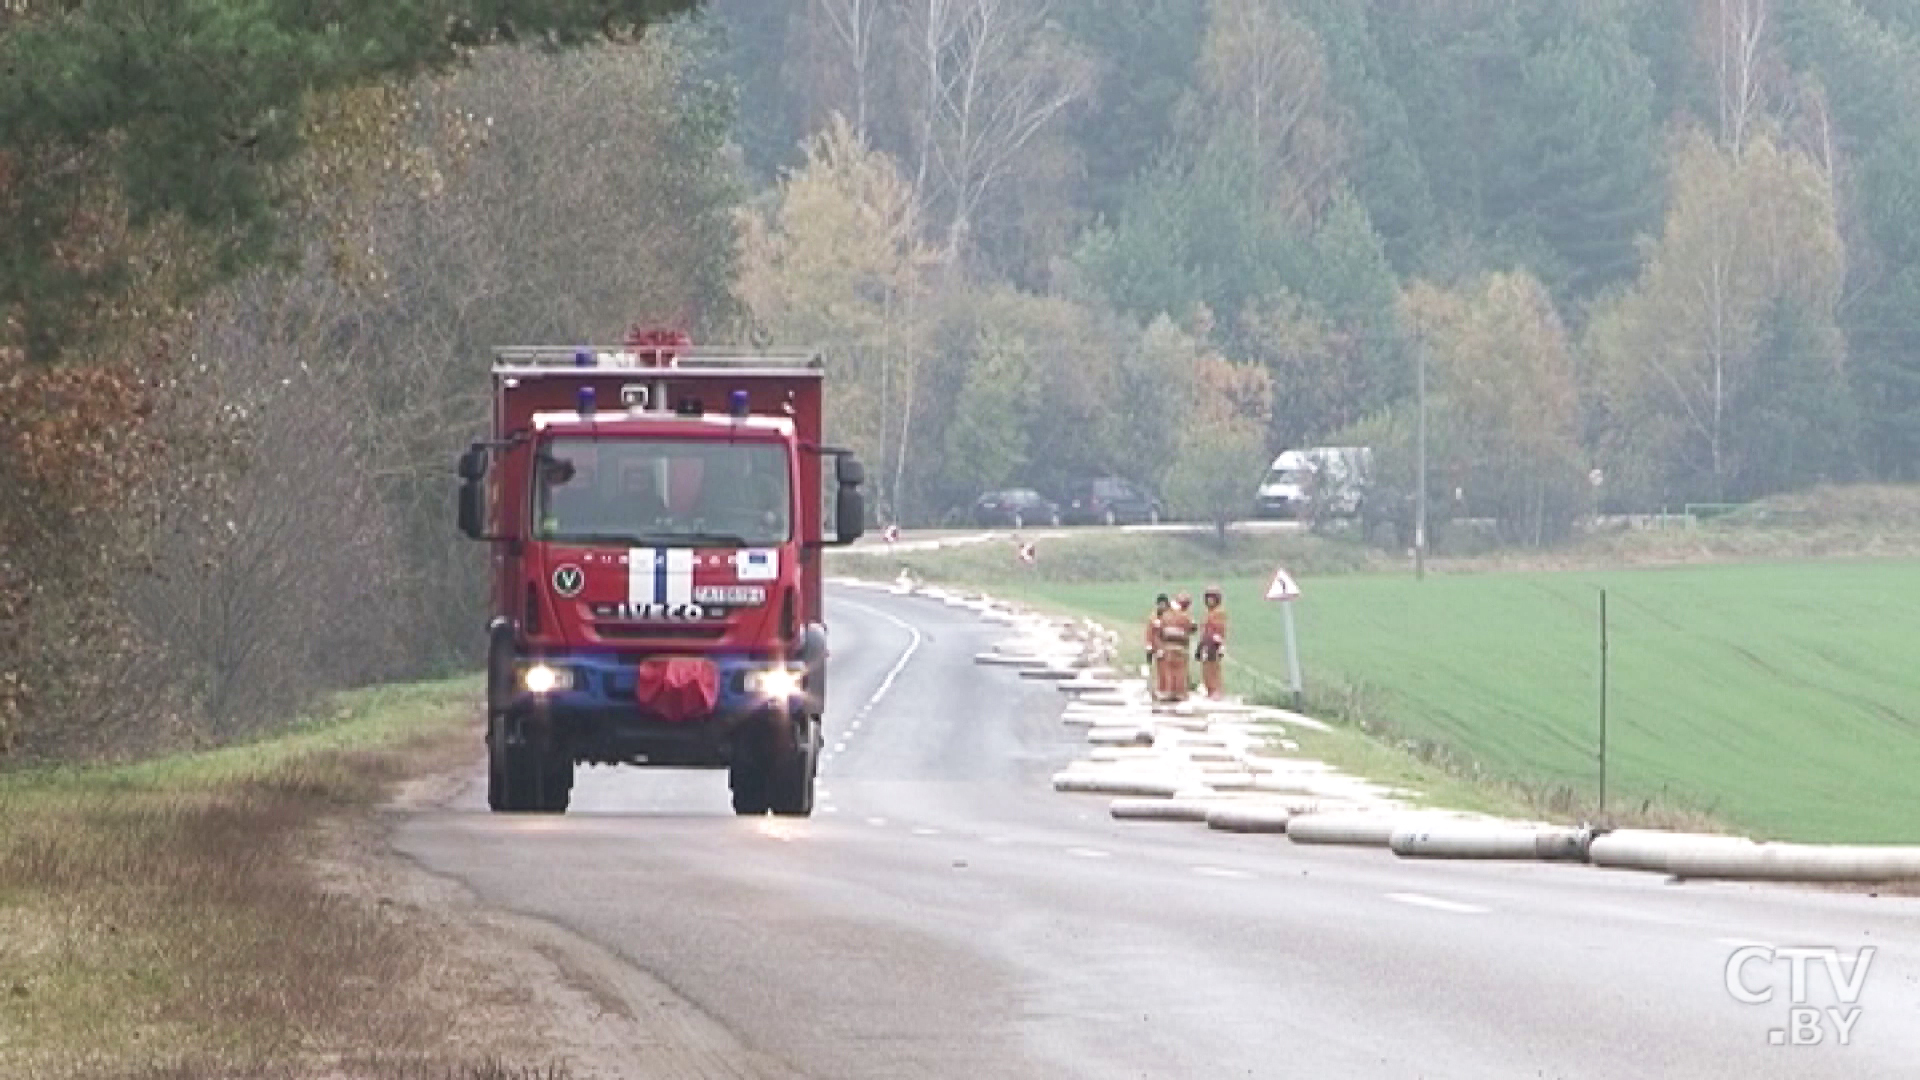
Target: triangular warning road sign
[{"x": 1283, "y": 586}]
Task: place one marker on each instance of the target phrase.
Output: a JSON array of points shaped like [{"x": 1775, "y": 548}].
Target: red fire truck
[{"x": 657, "y": 513}]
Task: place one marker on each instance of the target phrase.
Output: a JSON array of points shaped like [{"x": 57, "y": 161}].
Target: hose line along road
[{"x": 945, "y": 914}]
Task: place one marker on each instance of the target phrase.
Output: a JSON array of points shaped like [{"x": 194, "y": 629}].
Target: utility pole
[{"x": 1420, "y": 465}]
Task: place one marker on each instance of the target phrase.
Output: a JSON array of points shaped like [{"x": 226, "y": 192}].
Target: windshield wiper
[
  {"x": 598, "y": 540},
  {"x": 692, "y": 539},
  {"x": 675, "y": 539}
]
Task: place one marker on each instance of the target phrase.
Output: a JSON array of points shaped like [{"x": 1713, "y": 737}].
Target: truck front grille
[{"x": 658, "y": 632}]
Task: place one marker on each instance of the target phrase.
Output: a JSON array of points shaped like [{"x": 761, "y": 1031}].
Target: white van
[{"x": 1334, "y": 476}]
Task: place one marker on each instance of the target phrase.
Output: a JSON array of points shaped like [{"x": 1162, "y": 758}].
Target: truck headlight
[
  {"x": 777, "y": 683},
  {"x": 545, "y": 679}
]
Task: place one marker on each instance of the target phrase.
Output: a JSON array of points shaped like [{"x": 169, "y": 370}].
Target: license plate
[{"x": 736, "y": 595}]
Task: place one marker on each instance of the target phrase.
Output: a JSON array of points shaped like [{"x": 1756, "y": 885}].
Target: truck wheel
[
  {"x": 556, "y": 784},
  {"x": 523, "y": 785},
  {"x": 520, "y": 779},
  {"x": 513, "y": 781},
  {"x": 794, "y": 772},
  {"x": 747, "y": 775}
]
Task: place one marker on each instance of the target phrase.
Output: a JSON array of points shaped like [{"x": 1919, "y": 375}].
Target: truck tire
[
  {"x": 556, "y": 785},
  {"x": 521, "y": 779},
  {"x": 512, "y": 783},
  {"x": 791, "y": 790},
  {"x": 747, "y": 775}
]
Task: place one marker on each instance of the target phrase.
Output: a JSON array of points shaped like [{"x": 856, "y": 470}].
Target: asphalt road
[{"x": 945, "y": 914}]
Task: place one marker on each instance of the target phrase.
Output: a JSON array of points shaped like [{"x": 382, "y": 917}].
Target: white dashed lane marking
[
  {"x": 1221, "y": 872},
  {"x": 1088, "y": 853},
  {"x": 886, "y": 684},
  {"x": 1435, "y": 903}
]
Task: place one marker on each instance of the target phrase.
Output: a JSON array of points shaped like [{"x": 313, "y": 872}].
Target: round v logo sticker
[{"x": 569, "y": 580}]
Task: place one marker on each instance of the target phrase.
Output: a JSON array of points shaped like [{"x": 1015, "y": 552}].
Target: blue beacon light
[
  {"x": 583, "y": 401},
  {"x": 583, "y": 358},
  {"x": 737, "y": 403}
]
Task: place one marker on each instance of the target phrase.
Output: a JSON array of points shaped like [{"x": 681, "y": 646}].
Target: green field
[{"x": 1782, "y": 699}]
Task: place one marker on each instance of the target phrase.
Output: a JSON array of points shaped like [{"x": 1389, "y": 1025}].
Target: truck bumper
[
  {"x": 597, "y": 718},
  {"x": 613, "y": 735}
]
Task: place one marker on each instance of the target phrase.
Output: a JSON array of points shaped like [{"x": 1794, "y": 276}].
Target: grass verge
[{"x": 170, "y": 918}]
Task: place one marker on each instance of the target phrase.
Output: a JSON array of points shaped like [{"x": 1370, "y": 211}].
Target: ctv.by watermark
[{"x": 1755, "y": 974}]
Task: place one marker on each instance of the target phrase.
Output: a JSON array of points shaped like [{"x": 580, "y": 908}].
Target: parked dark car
[
  {"x": 1109, "y": 500},
  {"x": 1017, "y": 507}
]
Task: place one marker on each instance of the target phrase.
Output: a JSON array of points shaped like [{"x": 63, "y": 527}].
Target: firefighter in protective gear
[
  {"x": 1213, "y": 642},
  {"x": 1161, "y": 605},
  {"x": 1176, "y": 635}
]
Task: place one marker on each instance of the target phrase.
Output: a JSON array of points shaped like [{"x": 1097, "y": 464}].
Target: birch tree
[
  {"x": 1737, "y": 33},
  {"x": 992, "y": 75},
  {"x": 856, "y": 27},
  {"x": 1219, "y": 449},
  {"x": 1504, "y": 370},
  {"x": 835, "y": 261},
  {"x": 1263, "y": 84},
  {"x": 1745, "y": 232}
]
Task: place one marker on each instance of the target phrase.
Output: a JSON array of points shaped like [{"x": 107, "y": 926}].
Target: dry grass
[{"x": 170, "y": 920}]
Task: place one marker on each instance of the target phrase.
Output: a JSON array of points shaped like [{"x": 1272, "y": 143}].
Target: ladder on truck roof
[{"x": 542, "y": 359}]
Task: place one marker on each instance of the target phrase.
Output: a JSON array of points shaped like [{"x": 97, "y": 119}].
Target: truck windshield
[{"x": 662, "y": 493}]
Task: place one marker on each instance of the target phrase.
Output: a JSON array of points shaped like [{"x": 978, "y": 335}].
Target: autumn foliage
[{"x": 201, "y": 508}]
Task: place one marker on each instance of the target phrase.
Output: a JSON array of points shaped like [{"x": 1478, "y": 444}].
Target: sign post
[
  {"x": 1284, "y": 589},
  {"x": 1603, "y": 706}
]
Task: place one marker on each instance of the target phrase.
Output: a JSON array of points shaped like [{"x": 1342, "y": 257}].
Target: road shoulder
[{"x": 530, "y": 988}]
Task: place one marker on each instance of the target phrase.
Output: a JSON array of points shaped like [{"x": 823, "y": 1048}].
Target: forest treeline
[
  {"x": 1666, "y": 245},
  {"x": 255, "y": 255}
]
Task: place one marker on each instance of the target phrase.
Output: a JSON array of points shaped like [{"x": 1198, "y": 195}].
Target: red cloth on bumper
[{"x": 678, "y": 688}]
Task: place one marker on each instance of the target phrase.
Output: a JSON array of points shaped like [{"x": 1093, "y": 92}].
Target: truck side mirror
[
  {"x": 849, "y": 515},
  {"x": 473, "y": 494},
  {"x": 849, "y": 472},
  {"x": 473, "y": 463},
  {"x": 850, "y": 507},
  {"x": 473, "y": 509}
]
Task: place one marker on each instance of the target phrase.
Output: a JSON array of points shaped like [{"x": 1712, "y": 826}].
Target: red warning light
[{"x": 654, "y": 346}]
